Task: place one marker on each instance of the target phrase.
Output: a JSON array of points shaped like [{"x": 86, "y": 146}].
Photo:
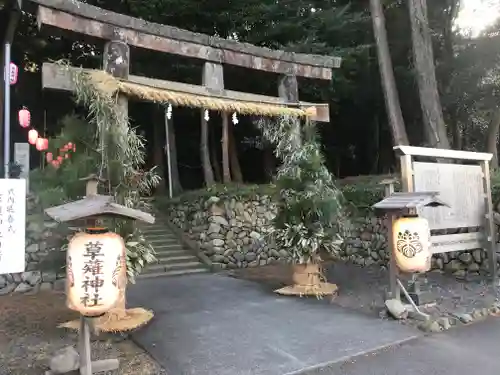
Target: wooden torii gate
[{"x": 121, "y": 31}]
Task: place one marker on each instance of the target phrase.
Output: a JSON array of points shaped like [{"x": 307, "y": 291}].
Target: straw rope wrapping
[{"x": 110, "y": 85}]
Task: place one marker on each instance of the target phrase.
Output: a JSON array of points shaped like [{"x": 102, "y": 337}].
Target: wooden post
[
  {"x": 288, "y": 91},
  {"x": 406, "y": 173},
  {"x": 395, "y": 291},
  {"x": 169, "y": 161},
  {"x": 85, "y": 353},
  {"x": 490, "y": 228},
  {"x": 226, "y": 172},
  {"x": 117, "y": 62},
  {"x": 213, "y": 79}
]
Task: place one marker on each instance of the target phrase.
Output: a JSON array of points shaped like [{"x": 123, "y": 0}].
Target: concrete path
[
  {"x": 461, "y": 351},
  {"x": 217, "y": 325}
]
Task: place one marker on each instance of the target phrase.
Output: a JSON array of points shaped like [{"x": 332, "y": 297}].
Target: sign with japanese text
[
  {"x": 12, "y": 225},
  {"x": 95, "y": 271}
]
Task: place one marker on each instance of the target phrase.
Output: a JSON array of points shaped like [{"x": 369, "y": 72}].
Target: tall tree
[
  {"x": 174, "y": 167},
  {"x": 492, "y": 137},
  {"x": 226, "y": 170},
  {"x": 213, "y": 144},
  {"x": 205, "y": 153},
  {"x": 234, "y": 162},
  {"x": 391, "y": 97},
  {"x": 434, "y": 126}
]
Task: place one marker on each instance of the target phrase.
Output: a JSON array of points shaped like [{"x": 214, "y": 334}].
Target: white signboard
[
  {"x": 22, "y": 157},
  {"x": 12, "y": 225},
  {"x": 461, "y": 186}
]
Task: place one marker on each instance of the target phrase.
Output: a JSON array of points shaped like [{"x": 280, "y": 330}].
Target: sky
[{"x": 476, "y": 15}]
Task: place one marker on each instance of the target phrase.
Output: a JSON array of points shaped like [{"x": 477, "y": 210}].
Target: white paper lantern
[
  {"x": 412, "y": 241},
  {"x": 95, "y": 271}
]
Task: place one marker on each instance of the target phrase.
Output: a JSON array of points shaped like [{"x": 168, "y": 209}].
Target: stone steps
[
  {"x": 172, "y": 273},
  {"x": 172, "y": 258}
]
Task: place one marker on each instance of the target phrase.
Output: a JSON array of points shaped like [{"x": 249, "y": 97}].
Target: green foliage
[
  {"x": 229, "y": 191},
  {"x": 56, "y": 186},
  {"x": 108, "y": 146},
  {"x": 363, "y": 192},
  {"x": 495, "y": 188},
  {"x": 123, "y": 154},
  {"x": 310, "y": 207}
]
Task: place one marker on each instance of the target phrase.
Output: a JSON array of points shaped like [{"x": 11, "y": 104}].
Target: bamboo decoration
[{"x": 308, "y": 280}]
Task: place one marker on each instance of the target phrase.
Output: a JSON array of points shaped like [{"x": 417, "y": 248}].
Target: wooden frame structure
[
  {"x": 103, "y": 24},
  {"x": 465, "y": 185},
  {"x": 121, "y": 31}
]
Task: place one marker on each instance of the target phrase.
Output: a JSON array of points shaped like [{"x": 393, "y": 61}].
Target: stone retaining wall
[
  {"x": 366, "y": 244},
  {"x": 230, "y": 231},
  {"x": 43, "y": 237}
]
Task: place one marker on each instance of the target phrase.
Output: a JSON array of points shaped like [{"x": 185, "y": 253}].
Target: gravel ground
[
  {"x": 363, "y": 289},
  {"x": 29, "y": 336}
]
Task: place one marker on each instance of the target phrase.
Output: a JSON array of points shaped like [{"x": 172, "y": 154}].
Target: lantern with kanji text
[
  {"x": 95, "y": 269},
  {"x": 24, "y": 117},
  {"x": 412, "y": 242}
]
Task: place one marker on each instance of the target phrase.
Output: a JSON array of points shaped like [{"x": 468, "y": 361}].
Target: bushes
[{"x": 359, "y": 192}]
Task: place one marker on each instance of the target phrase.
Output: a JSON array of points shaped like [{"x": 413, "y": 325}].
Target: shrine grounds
[
  {"x": 198, "y": 317},
  {"x": 29, "y": 337}
]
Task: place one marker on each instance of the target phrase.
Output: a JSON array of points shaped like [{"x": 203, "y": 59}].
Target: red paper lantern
[
  {"x": 55, "y": 163},
  {"x": 39, "y": 144},
  {"x": 59, "y": 158},
  {"x": 24, "y": 117},
  {"x": 66, "y": 156},
  {"x": 74, "y": 148},
  {"x": 32, "y": 136},
  {"x": 69, "y": 145},
  {"x": 49, "y": 157},
  {"x": 45, "y": 143}
]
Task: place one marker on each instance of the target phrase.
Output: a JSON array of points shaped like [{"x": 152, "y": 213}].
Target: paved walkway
[
  {"x": 217, "y": 325},
  {"x": 461, "y": 351}
]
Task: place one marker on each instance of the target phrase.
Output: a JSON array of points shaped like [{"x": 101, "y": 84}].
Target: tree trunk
[
  {"x": 226, "y": 172},
  {"x": 174, "y": 168},
  {"x": 214, "y": 156},
  {"x": 450, "y": 110},
  {"x": 396, "y": 122},
  {"x": 233, "y": 156},
  {"x": 204, "y": 151},
  {"x": 434, "y": 126},
  {"x": 491, "y": 140}
]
